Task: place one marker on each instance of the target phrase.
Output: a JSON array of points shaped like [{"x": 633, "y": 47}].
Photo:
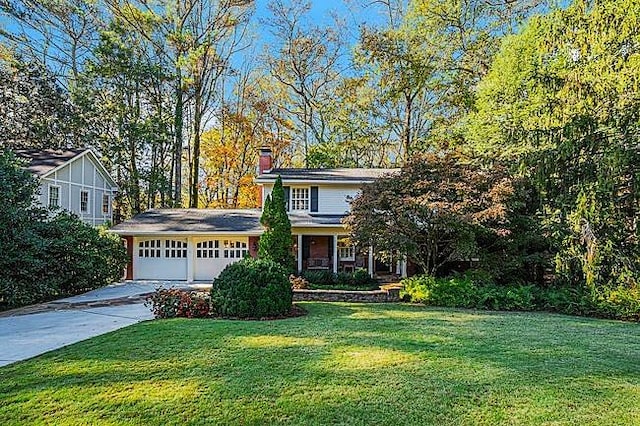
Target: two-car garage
[
  {"x": 188, "y": 244},
  {"x": 189, "y": 259}
]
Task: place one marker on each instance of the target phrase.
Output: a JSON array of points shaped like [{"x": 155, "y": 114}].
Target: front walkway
[{"x": 34, "y": 330}]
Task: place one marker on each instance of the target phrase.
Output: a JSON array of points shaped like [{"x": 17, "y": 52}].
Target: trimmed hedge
[{"x": 252, "y": 288}]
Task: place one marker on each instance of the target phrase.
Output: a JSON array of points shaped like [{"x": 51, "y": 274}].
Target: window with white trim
[
  {"x": 149, "y": 248},
  {"x": 208, "y": 249},
  {"x": 106, "y": 204},
  {"x": 235, "y": 249},
  {"x": 175, "y": 249},
  {"x": 299, "y": 198},
  {"x": 84, "y": 201},
  {"x": 346, "y": 251},
  {"x": 54, "y": 197}
]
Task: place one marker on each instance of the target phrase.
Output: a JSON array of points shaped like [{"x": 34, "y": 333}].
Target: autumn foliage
[{"x": 433, "y": 209}]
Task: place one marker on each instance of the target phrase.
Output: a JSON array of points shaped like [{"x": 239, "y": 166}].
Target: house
[
  {"x": 74, "y": 180},
  {"x": 197, "y": 244}
]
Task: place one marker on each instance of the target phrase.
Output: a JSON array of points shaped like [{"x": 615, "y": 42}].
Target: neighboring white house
[
  {"x": 73, "y": 180},
  {"x": 196, "y": 244}
]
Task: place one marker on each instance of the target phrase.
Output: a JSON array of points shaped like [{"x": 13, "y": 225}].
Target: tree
[
  {"x": 276, "y": 243},
  {"x": 58, "y": 34},
  {"x": 128, "y": 95},
  {"x": 432, "y": 210},
  {"x": 306, "y": 67},
  {"x": 561, "y": 102},
  {"x": 35, "y": 112}
]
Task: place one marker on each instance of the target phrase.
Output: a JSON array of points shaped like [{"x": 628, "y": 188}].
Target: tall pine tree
[{"x": 276, "y": 242}]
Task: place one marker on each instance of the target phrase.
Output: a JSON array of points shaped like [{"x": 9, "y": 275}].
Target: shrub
[
  {"x": 468, "y": 291},
  {"x": 252, "y": 289},
  {"x": 298, "y": 283},
  {"x": 79, "y": 256},
  {"x": 416, "y": 289},
  {"x": 172, "y": 303},
  {"x": 323, "y": 278},
  {"x": 319, "y": 277}
]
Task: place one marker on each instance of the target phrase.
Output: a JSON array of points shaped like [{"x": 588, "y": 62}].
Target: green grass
[{"x": 341, "y": 364}]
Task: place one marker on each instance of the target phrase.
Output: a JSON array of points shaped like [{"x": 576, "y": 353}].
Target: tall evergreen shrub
[{"x": 276, "y": 242}]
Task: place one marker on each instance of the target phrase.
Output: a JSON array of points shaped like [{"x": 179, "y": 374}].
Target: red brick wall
[
  {"x": 320, "y": 248},
  {"x": 253, "y": 246},
  {"x": 128, "y": 243}
]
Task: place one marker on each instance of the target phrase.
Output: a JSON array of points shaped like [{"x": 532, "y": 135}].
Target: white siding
[
  {"x": 82, "y": 174},
  {"x": 332, "y": 198}
]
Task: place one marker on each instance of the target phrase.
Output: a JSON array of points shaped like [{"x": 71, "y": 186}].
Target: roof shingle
[
  {"x": 42, "y": 161},
  {"x": 356, "y": 175},
  {"x": 202, "y": 221}
]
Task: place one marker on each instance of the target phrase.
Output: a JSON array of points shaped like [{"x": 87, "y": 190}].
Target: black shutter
[
  {"x": 306, "y": 247},
  {"x": 286, "y": 196},
  {"x": 314, "y": 198}
]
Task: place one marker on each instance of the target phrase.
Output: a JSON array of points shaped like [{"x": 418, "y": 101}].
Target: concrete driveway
[{"x": 60, "y": 323}]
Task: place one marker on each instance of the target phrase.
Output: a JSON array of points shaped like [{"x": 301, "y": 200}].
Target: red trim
[{"x": 128, "y": 243}]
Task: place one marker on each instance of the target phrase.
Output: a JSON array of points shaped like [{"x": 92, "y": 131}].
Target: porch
[{"x": 335, "y": 253}]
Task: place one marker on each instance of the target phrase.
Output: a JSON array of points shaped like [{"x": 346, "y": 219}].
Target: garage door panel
[
  {"x": 212, "y": 256},
  {"x": 161, "y": 269},
  {"x": 161, "y": 259}
]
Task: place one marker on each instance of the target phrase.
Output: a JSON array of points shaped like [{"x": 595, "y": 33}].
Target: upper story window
[
  {"x": 84, "y": 201},
  {"x": 54, "y": 197},
  {"x": 299, "y": 198},
  {"x": 106, "y": 204}
]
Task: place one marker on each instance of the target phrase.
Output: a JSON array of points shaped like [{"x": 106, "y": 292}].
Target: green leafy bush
[
  {"x": 252, "y": 289},
  {"x": 319, "y": 277},
  {"x": 359, "y": 279},
  {"x": 476, "y": 290},
  {"x": 468, "y": 291},
  {"x": 172, "y": 303}
]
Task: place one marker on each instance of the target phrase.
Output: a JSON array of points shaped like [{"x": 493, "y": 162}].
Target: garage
[
  {"x": 214, "y": 254},
  {"x": 188, "y": 244},
  {"x": 161, "y": 259}
]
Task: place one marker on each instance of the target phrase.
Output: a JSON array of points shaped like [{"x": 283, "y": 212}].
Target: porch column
[
  {"x": 299, "y": 253},
  {"x": 190, "y": 259},
  {"x": 335, "y": 253},
  {"x": 370, "y": 264}
]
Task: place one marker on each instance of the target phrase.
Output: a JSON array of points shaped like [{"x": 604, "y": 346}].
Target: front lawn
[{"x": 356, "y": 364}]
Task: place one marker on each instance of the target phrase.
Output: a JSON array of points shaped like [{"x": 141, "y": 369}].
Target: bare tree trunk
[
  {"x": 177, "y": 148},
  {"x": 195, "y": 165}
]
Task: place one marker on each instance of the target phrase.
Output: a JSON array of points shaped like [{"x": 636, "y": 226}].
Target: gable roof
[
  {"x": 359, "y": 175},
  {"x": 212, "y": 221},
  {"x": 43, "y": 162}
]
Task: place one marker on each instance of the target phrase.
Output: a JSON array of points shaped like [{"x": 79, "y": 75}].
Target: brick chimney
[
  {"x": 266, "y": 160},
  {"x": 265, "y": 164}
]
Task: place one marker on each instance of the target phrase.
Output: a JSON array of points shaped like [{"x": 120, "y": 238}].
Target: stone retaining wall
[{"x": 373, "y": 296}]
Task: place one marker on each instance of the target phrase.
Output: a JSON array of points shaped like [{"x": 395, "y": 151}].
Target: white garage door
[
  {"x": 160, "y": 259},
  {"x": 212, "y": 256}
]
